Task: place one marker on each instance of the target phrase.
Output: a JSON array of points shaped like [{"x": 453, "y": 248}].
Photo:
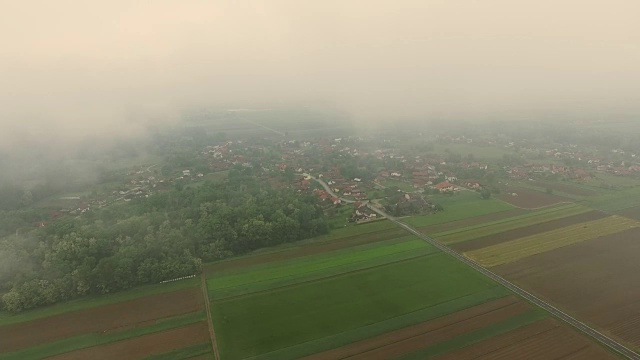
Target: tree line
[{"x": 152, "y": 239}]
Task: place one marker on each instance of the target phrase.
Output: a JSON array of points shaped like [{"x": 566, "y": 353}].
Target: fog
[{"x": 71, "y": 69}]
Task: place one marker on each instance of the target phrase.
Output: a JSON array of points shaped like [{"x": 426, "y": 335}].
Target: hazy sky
[{"x": 73, "y": 67}]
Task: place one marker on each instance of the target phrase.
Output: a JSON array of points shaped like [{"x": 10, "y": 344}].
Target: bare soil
[
  {"x": 514, "y": 234},
  {"x": 416, "y": 337},
  {"x": 594, "y": 280},
  {"x": 530, "y": 199},
  {"x": 523, "y": 342},
  {"x": 102, "y": 319},
  {"x": 308, "y": 249},
  {"x": 143, "y": 346}
]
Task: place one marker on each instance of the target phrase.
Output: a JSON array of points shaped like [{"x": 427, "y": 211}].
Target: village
[{"x": 375, "y": 168}]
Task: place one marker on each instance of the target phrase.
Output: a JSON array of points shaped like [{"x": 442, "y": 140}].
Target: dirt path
[{"x": 207, "y": 306}]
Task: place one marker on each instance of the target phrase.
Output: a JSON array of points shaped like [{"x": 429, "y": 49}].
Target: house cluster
[
  {"x": 219, "y": 157},
  {"x": 528, "y": 171},
  {"x": 408, "y": 204},
  {"x": 361, "y": 213},
  {"x": 326, "y": 197}
]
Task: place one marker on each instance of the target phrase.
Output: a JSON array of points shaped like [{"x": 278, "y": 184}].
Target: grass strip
[
  {"x": 184, "y": 353},
  {"x": 471, "y": 338},
  {"x": 94, "y": 339},
  {"x": 382, "y": 327}
]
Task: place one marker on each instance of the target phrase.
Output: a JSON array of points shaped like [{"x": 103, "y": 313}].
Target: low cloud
[{"x": 73, "y": 69}]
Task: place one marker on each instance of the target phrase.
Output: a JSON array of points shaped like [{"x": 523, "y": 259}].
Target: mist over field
[{"x": 72, "y": 69}]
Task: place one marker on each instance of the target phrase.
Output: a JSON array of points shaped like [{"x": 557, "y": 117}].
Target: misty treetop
[{"x": 149, "y": 240}]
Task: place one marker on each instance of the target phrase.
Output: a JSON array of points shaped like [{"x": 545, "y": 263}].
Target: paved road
[
  {"x": 586, "y": 329},
  {"x": 328, "y": 189}
]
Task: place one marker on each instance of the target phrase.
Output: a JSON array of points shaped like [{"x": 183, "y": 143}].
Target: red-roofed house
[{"x": 445, "y": 186}]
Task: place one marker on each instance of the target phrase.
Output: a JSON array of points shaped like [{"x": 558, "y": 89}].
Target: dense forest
[{"x": 148, "y": 240}]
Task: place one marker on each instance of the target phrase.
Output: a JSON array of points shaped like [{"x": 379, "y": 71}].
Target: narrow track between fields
[{"x": 207, "y": 306}]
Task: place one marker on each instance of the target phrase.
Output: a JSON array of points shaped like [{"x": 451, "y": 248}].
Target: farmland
[
  {"x": 462, "y": 234},
  {"x": 112, "y": 327},
  {"x": 330, "y": 304},
  {"x": 530, "y": 245},
  {"x": 530, "y": 199},
  {"x": 460, "y": 206},
  {"x": 591, "y": 279}
]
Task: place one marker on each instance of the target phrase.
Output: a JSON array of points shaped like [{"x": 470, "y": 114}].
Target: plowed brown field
[
  {"x": 105, "y": 318},
  {"x": 310, "y": 249},
  {"x": 596, "y": 280},
  {"x": 530, "y": 199},
  {"x": 143, "y": 346},
  {"x": 489, "y": 240},
  {"x": 413, "y": 338},
  {"x": 546, "y": 339}
]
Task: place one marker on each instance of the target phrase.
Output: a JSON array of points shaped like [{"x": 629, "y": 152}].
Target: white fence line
[{"x": 176, "y": 279}]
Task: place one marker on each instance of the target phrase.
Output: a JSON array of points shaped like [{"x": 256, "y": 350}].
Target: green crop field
[
  {"x": 463, "y": 205},
  {"x": 260, "y": 323},
  {"x": 516, "y": 222},
  {"x": 269, "y": 276},
  {"x": 616, "y": 201},
  {"x": 530, "y": 245}
]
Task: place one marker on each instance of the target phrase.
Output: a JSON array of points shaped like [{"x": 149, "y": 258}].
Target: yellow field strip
[{"x": 530, "y": 245}]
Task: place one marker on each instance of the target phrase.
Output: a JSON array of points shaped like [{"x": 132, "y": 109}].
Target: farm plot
[
  {"x": 475, "y": 220},
  {"x": 566, "y": 188},
  {"x": 309, "y": 317},
  {"x": 546, "y": 339},
  {"x": 339, "y": 239},
  {"x": 270, "y": 276},
  {"x": 500, "y": 226},
  {"x": 144, "y": 346},
  {"x": 464, "y": 205},
  {"x": 530, "y": 199},
  {"x": 104, "y": 319},
  {"x": 593, "y": 280},
  {"x": 633, "y": 213},
  {"x": 531, "y": 245},
  {"x": 426, "y": 335},
  {"x": 616, "y": 201},
  {"x": 517, "y": 233}
]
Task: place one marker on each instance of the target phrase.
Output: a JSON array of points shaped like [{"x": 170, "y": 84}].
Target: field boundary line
[
  {"x": 207, "y": 306},
  {"x": 539, "y": 207}
]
